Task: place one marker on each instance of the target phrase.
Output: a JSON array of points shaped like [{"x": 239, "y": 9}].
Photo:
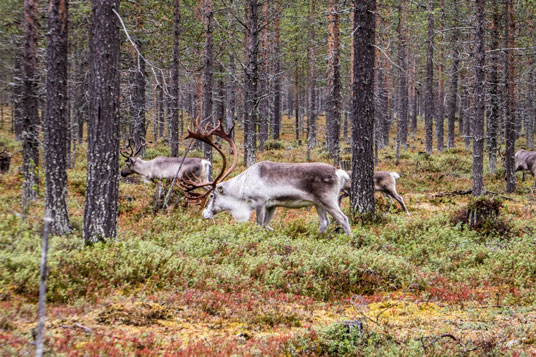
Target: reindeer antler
[
  {"x": 204, "y": 135},
  {"x": 129, "y": 146}
]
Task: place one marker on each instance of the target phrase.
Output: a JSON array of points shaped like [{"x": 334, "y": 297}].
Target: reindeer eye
[{"x": 211, "y": 195}]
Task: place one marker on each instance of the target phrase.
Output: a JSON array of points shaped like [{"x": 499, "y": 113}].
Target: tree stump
[{"x": 5, "y": 160}]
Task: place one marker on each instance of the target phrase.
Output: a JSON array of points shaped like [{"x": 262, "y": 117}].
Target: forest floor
[{"x": 174, "y": 284}]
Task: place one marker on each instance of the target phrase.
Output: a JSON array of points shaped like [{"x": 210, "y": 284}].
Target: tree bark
[
  {"x": 493, "y": 117},
  {"x": 402, "y": 117},
  {"x": 173, "y": 117},
  {"x": 429, "y": 110},
  {"x": 252, "y": 79},
  {"x": 510, "y": 134},
  {"x": 362, "y": 197},
  {"x": 207, "y": 114},
  {"x": 100, "y": 213},
  {"x": 277, "y": 75},
  {"x": 30, "y": 115},
  {"x": 333, "y": 110},
  {"x": 138, "y": 101},
  {"x": 480, "y": 105},
  {"x": 453, "y": 90},
  {"x": 57, "y": 121},
  {"x": 311, "y": 110},
  {"x": 264, "y": 82}
]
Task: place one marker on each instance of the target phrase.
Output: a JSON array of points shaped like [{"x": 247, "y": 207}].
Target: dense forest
[{"x": 126, "y": 126}]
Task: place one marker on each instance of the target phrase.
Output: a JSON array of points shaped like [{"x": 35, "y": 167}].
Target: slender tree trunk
[
  {"x": 415, "y": 97},
  {"x": 333, "y": 110},
  {"x": 510, "y": 134},
  {"x": 18, "y": 87},
  {"x": 155, "y": 109},
  {"x": 138, "y": 101},
  {"x": 453, "y": 96},
  {"x": 161, "y": 110},
  {"x": 252, "y": 80},
  {"x": 311, "y": 110},
  {"x": 480, "y": 105},
  {"x": 362, "y": 197},
  {"x": 207, "y": 114},
  {"x": 277, "y": 75},
  {"x": 529, "y": 123},
  {"x": 467, "y": 115},
  {"x": 56, "y": 121},
  {"x": 297, "y": 100},
  {"x": 173, "y": 114},
  {"x": 231, "y": 87},
  {"x": 100, "y": 213},
  {"x": 429, "y": 112},
  {"x": 493, "y": 117},
  {"x": 30, "y": 115},
  {"x": 402, "y": 118},
  {"x": 264, "y": 82}
]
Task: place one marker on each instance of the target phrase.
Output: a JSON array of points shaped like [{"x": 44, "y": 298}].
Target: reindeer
[
  {"x": 162, "y": 167},
  {"x": 385, "y": 182},
  {"x": 267, "y": 185},
  {"x": 526, "y": 161}
]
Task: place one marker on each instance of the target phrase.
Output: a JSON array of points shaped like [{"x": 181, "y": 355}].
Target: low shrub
[
  {"x": 482, "y": 214},
  {"x": 273, "y": 145}
]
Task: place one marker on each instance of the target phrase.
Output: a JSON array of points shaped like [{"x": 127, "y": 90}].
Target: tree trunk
[
  {"x": 161, "y": 110},
  {"x": 493, "y": 116},
  {"x": 529, "y": 124},
  {"x": 100, "y": 213},
  {"x": 429, "y": 110},
  {"x": 480, "y": 105},
  {"x": 138, "y": 101},
  {"x": 362, "y": 197},
  {"x": 173, "y": 114},
  {"x": 333, "y": 110},
  {"x": 207, "y": 114},
  {"x": 297, "y": 100},
  {"x": 277, "y": 75},
  {"x": 264, "y": 83},
  {"x": 311, "y": 110},
  {"x": 510, "y": 134},
  {"x": 56, "y": 121},
  {"x": 453, "y": 96},
  {"x": 402, "y": 117},
  {"x": 18, "y": 88},
  {"x": 252, "y": 79},
  {"x": 467, "y": 114},
  {"x": 30, "y": 115}
]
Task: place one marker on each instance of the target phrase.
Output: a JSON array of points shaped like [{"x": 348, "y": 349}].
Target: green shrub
[{"x": 273, "y": 145}]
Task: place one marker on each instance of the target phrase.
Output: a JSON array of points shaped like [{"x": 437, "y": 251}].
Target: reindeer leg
[
  {"x": 268, "y": 217},
  {"x": 339, "y": 216},
  {"x": 390, "y": 201},
  {"x": 401, "y": 201},
  {"x": 323, "y": 217},
  {"x": 261, "y": 213},
  {"x": 343, "y": 195}
]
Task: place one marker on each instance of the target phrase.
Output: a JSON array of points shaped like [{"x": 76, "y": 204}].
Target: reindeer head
[{"x": 131, "y": 159}]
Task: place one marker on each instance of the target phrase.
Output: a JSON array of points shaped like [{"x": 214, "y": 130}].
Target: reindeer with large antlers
[
  {"x": 159, "y": 168},
  {"x": 267, "y": 185}
]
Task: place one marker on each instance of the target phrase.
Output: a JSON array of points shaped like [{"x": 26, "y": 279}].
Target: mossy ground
[{"x": 172, "y": 283}]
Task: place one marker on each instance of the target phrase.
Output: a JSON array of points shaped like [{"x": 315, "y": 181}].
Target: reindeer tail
[
  {"x": 395, "y": 175},
  {"x": 343, "y": 177}
]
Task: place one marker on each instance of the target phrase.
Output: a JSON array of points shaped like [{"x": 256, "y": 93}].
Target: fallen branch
[{"x": 453, "y": 193}]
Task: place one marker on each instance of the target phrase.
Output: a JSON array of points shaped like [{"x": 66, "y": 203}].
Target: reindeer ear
[{"x": 219, "y": 189}]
